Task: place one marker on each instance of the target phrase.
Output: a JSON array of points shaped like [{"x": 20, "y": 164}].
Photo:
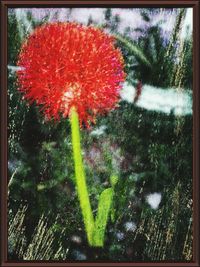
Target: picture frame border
[{"x": 4, "y": 143}]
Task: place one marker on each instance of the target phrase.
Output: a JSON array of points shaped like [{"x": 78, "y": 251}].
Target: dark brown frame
[{"x": 196, "y": 111}]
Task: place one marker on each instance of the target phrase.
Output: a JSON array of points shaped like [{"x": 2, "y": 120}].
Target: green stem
[
  {"x": 80, "y": 176},
  {"x": 95, "y": 229}
]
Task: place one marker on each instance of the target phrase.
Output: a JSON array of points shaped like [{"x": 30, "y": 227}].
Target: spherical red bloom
[{"x": 66, "y": 65}]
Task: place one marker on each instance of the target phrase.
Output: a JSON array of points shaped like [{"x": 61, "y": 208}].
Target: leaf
[
  {"x": 138, "y": 53},
  {"x": 105, "y": 202},
  {"x": 113, "y": 180}
]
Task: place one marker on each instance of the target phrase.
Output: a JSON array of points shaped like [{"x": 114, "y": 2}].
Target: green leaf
[
  {"x": 136, "y": 50},
  {"x": 104, "y": 206},
  {"x": 113, "y": 180}
]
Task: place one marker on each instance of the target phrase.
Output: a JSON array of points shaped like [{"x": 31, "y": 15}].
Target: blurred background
[{"x": 147, "y": 141}]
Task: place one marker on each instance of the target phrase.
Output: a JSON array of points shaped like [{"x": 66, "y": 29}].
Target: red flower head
[{"x": 66, "y": 65}]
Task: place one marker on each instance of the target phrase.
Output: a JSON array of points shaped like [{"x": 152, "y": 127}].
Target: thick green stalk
[
  {"x": 80, "y": 176},
  {"x": 95, "y": 229}
]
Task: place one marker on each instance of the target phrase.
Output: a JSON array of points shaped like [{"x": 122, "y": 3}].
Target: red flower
[{"x": 67, "y": 64}]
